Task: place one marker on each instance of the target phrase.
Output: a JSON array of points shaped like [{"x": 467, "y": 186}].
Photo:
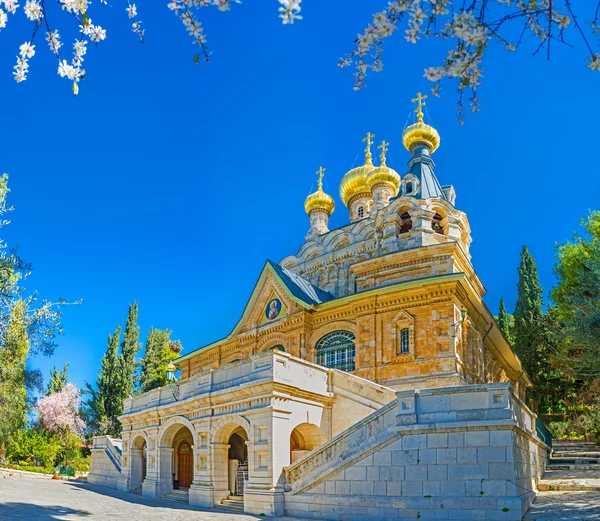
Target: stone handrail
[
  {"x": 111, "y": 448},
  {"x": 342, "y": 450}
]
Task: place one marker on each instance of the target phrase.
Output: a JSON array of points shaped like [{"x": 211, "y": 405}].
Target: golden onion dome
[
  {"x": 383, "y": 173},
  {"x": 420, "y": 133},
  {"x": 319, "y": 200},
  {"x": 355, "y": 181}
]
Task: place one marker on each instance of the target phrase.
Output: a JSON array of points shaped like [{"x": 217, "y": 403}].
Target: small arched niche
[{"x": 304, "y": 438}]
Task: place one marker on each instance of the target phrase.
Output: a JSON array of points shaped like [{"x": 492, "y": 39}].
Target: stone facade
[{"x": 365, "y": 378}]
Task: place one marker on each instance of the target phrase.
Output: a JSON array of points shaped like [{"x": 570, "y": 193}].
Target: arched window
[
  {"x": 436, "y": 224},
  {"x": 337, "y": 350},
  {"x": 404, "y": 343},
  {"x": 361, "y": 212},
  {"x": 279, "y": 347},
  {"x": 406, "y": 222},
  {"x": 409, "y": 187}
]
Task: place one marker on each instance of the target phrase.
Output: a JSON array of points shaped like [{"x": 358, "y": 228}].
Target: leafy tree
[
  {"x": 105, "y": 405},
  {"x": 505, "y": 322},
  {"x": 28, "y": 326},
  {"x": 13, "y": 393},
  {"x": 58, "y": 380},
  {"x": 129, "y": 349},
  {"x": 159, "y": 351},
  {"x": 33, "y": 442},
  {"x": 577, "y": 299}
]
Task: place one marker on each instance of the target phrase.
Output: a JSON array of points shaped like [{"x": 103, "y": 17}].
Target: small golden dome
[
  {"x": 383, "y": 173},
  {"x": 420, "y": 133},
  {"x": 355, "y": 181},
  {"x": 319, "y": 200}
]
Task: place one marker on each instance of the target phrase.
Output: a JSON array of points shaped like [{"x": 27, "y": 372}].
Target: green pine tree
[
  {"x": 129, "y": 348},
  {"x": 106, "y": 404},
  {"x": 505, "y": 322},
  {"x": 531, "y": 339},
  {"x": 160, "y": 350},
  {"x": 58, "y": 380}
]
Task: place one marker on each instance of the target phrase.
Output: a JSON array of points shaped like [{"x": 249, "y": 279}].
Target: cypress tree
[
  {"x": 106, "y": 404},
  {"x": 160, "y": 350},
  {"x": 505, "y": 322},
  {"x": 530, "y": 339},
  {"x": 58, "y": 380},
  {"x": 129, "y": 348}
]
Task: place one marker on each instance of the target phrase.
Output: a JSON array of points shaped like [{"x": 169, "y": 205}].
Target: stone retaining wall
[{"x": 466, "y": 453}]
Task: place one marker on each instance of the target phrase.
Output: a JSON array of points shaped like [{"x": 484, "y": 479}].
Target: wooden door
[{"x": 185, "y": 469}]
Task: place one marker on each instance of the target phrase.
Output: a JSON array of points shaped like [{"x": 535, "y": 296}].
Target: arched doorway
[
  {"x": 185, "y": 465},
  {"x": 176, "y": 458},
  {"x": 229, "y": 462},
  {"x": 237, "y": 462},
  {"x": 304, "y": 438},
  {"x": 138, "y": 464}
]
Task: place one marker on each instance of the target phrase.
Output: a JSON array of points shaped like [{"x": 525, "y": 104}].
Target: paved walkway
[
  {"x": 48, "y": 500},
  {"x": 565, "y": 506}
]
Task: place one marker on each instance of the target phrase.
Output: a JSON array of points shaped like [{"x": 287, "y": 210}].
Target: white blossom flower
[
  {"x": 290, "y": 11},
  {"x": 53, "y": 39},
  {"x": 27, "y": 50},
  {"x": 33, "y": 10},
  {"x": 3, "y": 19},
  {"x": 131, "y": 11},
  {"x": 11, "y": 6}
]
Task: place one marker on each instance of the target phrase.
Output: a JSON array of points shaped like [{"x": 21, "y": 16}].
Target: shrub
[{"x": 28, "y": 443}]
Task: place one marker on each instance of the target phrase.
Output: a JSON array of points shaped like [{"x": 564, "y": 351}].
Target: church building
[{"x": 368, "y": 349}]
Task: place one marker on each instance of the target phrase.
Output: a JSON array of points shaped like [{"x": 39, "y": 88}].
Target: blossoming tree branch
[{"x": 470, "y": 27}]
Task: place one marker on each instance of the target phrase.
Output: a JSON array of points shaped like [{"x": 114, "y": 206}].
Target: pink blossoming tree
[{"x": 59, "y": 412}]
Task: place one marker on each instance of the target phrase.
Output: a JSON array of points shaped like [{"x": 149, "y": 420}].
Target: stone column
[
  {"x": 218, "y": 471},
  {"x": 165, "y": 470},
  {"x": 150, "y": 484},
  {"x": 268, "y": 454},
  {"x": 201, "y": 489}
]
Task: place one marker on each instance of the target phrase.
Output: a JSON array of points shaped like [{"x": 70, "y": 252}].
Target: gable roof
[
  {"x": 299, "y": 290},
  {"x": 299, "y": 287}
]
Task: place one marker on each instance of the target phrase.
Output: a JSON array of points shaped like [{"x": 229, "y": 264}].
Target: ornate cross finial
[
  {"x": 384, "y": 148},
  {"x": 321, "y": 174},
  {"x": 369, "y": 141},
  {"x": 420, "y": 104}
]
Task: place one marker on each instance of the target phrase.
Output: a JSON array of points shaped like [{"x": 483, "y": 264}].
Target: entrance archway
[
  {"x": 176, "y": 457},
  {"x": 304, "y": 438},
  {"x": 138, "y": 464},
  {"x": 230, "y": 461},
  {"x": 237, "y": 462}
]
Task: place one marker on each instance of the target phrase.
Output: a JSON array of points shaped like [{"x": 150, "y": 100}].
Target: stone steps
[
  {"x": 570, "y": 487},
  {"x": 575, "y": 466},
  {"x": 181, "y": 496},
  {"x": 233, "y": 503}
]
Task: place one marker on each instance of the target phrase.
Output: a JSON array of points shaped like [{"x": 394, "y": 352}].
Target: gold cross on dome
[
  {"x": 320, "y": 173},
  {"x": 369, "y": 141},
  {"x": 420, "y": 104},
  {"x": 384, "y": 148}
]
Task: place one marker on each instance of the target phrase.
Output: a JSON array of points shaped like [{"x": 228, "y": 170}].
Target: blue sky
[{"x": 170, "y": 184}]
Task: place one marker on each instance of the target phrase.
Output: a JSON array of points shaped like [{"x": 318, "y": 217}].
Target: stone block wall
[{"x": 462, "y": 454}]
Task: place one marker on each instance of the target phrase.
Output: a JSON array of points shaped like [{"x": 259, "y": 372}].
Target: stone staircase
[
  {"x": 570, "y": 487},
  {"x": 181, "y": 496},
  {"x": 233, "y": 503}
]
